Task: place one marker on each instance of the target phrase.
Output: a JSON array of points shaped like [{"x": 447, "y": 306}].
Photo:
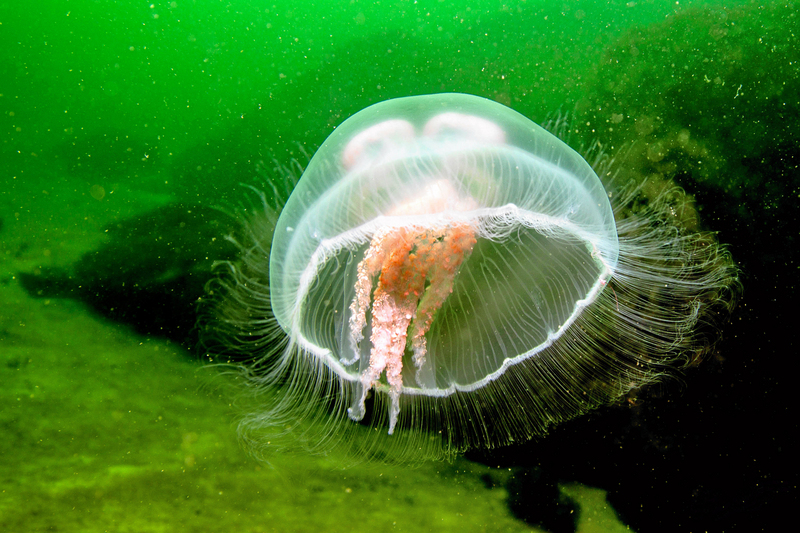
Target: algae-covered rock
[{"x": 706, "y": 95}]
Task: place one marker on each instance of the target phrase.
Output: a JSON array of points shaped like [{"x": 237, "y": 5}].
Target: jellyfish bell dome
[
  {"x": 433, "y": 243},
  {"x": 447, "y": 274}
]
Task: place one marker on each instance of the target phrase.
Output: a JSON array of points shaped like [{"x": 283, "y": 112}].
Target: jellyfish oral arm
[{"x": 415, "y": 268}]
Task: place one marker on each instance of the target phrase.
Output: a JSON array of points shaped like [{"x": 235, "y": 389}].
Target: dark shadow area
[{"x": 151, "y": 272}]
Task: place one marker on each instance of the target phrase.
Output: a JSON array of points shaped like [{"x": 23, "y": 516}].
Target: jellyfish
[{"x": 447, "y": 274}]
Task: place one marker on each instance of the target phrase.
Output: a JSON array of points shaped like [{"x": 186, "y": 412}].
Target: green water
[
  {"x": 177, "y": 72},
  {"x": 171, "y": 76},
  {"x": 108, "y": 110}
]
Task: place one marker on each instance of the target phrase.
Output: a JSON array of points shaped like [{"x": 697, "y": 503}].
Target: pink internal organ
[
  {"x": 415, "y": 265},
  {"x": 377, "y": 141},
  {"x": 416, "y": 268},
  {"x": 469, "y": 126}
]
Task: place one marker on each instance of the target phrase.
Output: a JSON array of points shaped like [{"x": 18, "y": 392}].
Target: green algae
[{"x": 104, "y": 430}]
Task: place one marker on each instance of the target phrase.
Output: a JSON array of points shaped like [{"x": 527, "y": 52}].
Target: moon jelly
[{"x": 448, "y": 274}]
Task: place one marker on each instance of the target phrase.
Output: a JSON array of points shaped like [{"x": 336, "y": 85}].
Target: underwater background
[{"x": 123, "y": 127}]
